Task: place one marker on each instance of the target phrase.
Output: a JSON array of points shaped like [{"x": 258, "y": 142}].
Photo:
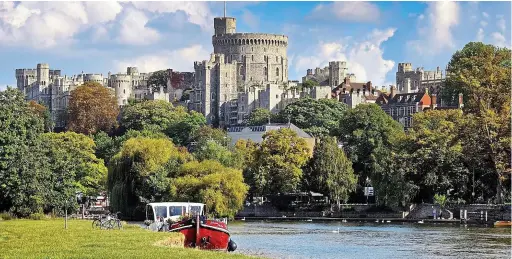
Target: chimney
[
  {"x": 433, "y": 105},
  {"x": 461, "y": 101},
  {"x": 392, "y": 91}
]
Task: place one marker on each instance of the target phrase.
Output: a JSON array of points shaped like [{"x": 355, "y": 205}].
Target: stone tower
[
  {"x": 337, "y": 72},
  {"x": 224, "y": 25}
]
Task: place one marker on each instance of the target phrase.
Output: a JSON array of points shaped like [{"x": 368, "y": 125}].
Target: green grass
[{"x": 49, "y": 239}]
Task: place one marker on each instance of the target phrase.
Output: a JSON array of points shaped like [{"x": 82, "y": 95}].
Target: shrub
[
  {"x": 6, "y": 216},
  {"x": 36, "y": 216}
]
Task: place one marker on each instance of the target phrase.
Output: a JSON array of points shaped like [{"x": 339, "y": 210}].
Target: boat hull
[
  {"x": 203, "y": 234},
  {"x": 503, "y": 224}
]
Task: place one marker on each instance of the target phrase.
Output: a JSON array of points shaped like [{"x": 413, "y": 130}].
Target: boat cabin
[{"x": 163, "y": 211}]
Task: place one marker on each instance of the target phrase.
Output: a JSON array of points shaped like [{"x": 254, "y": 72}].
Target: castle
[
  {"x": 409, "y": 80},
  {"x": 245, "y": 71},
  {"x": 50, "y": 88}
]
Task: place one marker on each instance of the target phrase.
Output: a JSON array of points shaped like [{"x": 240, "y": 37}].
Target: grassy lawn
[{"x": 49, "y": 239}]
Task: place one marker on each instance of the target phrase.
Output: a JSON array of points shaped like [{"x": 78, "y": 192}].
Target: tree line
[{"x": 152, "y": 151}]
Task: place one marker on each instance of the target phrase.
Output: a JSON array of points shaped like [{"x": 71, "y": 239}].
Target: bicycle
[{"x": 109, "y": 222}]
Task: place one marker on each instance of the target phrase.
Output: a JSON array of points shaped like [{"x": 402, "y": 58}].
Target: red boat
[{"x": 199, "y": 231}]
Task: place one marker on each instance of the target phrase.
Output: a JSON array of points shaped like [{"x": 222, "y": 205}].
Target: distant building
[
  {"x": 409, "y": 80},
  {"x": 353, "y": 94},
  {"x": 255, "y": 133},
  {"x": 331, "y": 75},
  {"x": 402, "y": 106}
]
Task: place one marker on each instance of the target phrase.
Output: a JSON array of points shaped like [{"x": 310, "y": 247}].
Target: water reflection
[{"x": 369, "y": 240}]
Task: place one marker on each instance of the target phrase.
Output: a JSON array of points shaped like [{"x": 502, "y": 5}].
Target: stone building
[
  {"x": 331, "y": 75},
  {"x": 352, "y": 93},
  {"x": 244, "y": 72},
  {"x": 402, "y": 106},
  {"x": 255, "y": 133},
  {"x": 50, "y": 88},
  {"x": 409, "y": 80}
]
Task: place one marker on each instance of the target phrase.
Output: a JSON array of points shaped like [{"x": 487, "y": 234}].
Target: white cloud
[
  {"x": 364, "y": 59},
  {"x": 47, "y": 24},
  {"x": 181, "y": 60},
  {"x": 134, "y": 30},
  {"x": 486, "y": 15},
  {"x": 480, "y": 35},
  {"x": 501, "y": 24},
  {"x": 197, "y": 12},
  {"x": 436, "y": 34},
  {"x": 498, "y": 39},
  {"x": 483, "y": 23},
  {"x": 348, "y": 11}
]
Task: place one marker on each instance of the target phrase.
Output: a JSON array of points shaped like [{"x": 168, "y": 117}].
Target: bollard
[{"x": 486, "y": 216}]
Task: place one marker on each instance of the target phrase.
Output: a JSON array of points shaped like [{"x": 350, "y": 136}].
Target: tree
[
  {"x": 259, "y": 117},
  {"x": 162, "y": 116},
  {"x": 158, "y": 78},
  {"x": 436, "y": 152},
  {"x": 211, "y": 150},
  {"x": 369, "y": 135},
  {"x": 23, "y": 169},
  {"x": 317, "y": 117},
  {"x": 92, "y": 108},
  {"x": 206, "y": 133},
  {"x": 308, "y": 84},
  {"x": 74, "y": 167},
  {"x": 222, "y": 189},
  {"x": 43, "y": 112},
  {"x": 482, "y": 74},
  {"x": 141, "y": 172},
  {"x": 331, "y": 172},
  {"x": 278, "y": 162}
]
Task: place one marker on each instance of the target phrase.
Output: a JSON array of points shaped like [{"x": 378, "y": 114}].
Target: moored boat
[
  {"x": 503, "y": 224},
  {"x": 191, "y": 221}
]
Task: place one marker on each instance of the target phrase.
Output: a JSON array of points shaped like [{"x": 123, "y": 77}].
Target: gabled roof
[{"x": 400, "y": 98}]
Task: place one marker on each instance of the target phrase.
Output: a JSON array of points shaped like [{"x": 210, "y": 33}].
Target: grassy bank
[{"x": 49, "y": 239}]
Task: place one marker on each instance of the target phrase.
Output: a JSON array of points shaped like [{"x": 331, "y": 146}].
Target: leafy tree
[
  {"x": 141, "y": 172},
  {"x": 43, "y": 112},
  {"x": 206, "y": 133},
  {"x": 158, "y": 78},
  {"x": 162, "y": 116},
  {"x": 221, "y": 188},
  {"x": 331, "y": 172},
  {"x": 74, "y": 167},
  {"x": 436, "y": 151},
  {"x": 369, "y": 136},
  {"x": 308, "y": 84},
  {"x": 211, "y": 150},
  {"x": 92, "y": 108},
  {"x": 23, "y": 169},
  {"x": 259, "y": 117},
  {"x": 482, "y": 74},
  {"x": 317, "y": 117},
  {"x": 278, "y": 162}
]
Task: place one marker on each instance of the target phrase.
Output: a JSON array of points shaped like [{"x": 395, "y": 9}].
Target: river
[{"x": 369, "y": 240}]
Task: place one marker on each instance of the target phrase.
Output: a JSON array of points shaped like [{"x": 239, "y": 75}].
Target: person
[{"x": 434, "y": 212}]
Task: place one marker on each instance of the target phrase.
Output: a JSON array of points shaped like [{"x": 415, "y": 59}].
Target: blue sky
[{"x": 373, "y": 37}]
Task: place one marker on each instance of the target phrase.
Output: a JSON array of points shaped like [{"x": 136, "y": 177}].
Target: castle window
[
  {"x": 277, "y": 71},
  {"x": 241, "y": 70},
  {"x": 277, "y": 59},
  {"x": 265, "y": 72},
  {"x": 277, "y": 96},
  {"x": 252, "y": 57},
  {"x": 252, "y": 49}
]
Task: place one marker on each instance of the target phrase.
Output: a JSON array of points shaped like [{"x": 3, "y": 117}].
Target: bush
[
  {"x": 36, "y": 216},
  {"x": 6, "y": 216}
]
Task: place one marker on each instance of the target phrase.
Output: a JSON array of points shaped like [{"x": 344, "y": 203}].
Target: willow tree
[
  {"x": 141, "y": 172},
  {"x": 221, "y": 188}
]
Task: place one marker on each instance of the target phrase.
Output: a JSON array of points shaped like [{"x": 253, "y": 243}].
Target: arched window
[
  {"x": 265, "y": 72},
  {"x": 241, "y": 70},
  {"x": 277, "y": 71}
]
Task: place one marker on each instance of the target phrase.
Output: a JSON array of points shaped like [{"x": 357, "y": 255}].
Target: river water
[{"x": 369, "y": 240}]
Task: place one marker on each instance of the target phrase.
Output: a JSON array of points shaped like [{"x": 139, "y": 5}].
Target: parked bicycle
[{"x": 111, "y": 221}]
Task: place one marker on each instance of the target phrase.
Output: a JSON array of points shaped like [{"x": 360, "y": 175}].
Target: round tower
[
  {"x": 122, "y": 85},
  {"x": 43, "y": 74}
]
